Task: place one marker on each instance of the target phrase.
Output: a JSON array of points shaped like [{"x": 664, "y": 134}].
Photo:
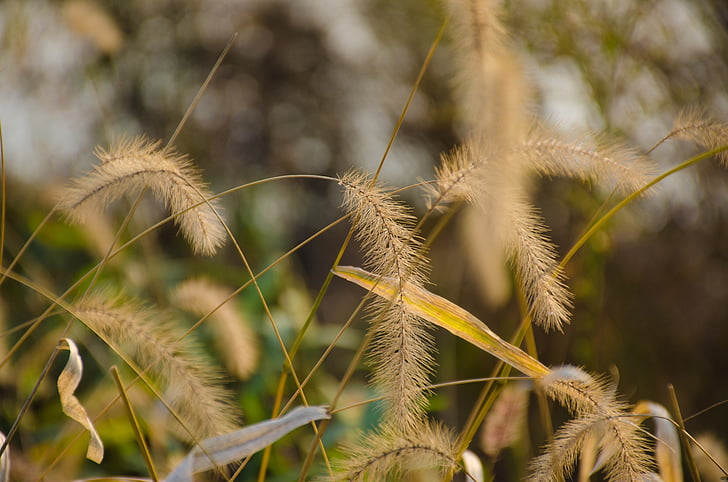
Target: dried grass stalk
[{"x": 400, "y": 353}]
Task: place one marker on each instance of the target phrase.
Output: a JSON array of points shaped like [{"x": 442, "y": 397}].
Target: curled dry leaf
[
  {"x": 667, "y": 448},
  {"x": 68, "y": 381}
]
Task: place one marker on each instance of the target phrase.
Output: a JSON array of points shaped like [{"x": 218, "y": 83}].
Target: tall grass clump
[{"x": 255, "y": 363}]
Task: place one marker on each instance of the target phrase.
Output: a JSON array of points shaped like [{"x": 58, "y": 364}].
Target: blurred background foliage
[{"x": 316, "y": 87}]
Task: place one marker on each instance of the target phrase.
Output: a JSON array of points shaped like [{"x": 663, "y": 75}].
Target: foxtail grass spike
[{"x": 133, "y": 165}]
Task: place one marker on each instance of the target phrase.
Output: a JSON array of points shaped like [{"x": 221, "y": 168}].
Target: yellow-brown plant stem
[
  {"x": 694, "y": 473},
  {"x": 134, "y": 422},
  {"x": 603, "y": 220}
]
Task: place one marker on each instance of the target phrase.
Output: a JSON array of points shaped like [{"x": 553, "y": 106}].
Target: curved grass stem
[{"x": 603, "y": 220}]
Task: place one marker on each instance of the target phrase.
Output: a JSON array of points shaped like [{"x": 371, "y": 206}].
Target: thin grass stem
[
  {"x": 413, "y": 91},
  {"x": 692, "y": 466},
  {"x": 134, "y": 424},
  {"x": 202, "y": 89},
  {"x": 603, "y": 220}
]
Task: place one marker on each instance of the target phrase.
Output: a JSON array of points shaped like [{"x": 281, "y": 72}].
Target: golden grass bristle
[
  {"x": 505, "y": 423},
  {"x": 233, "y": 336},
  {"x": 534, "y": 259},
  {"x": 132, "y": 165},
  {"x": 392, "y": 455},
  {"x": 695, "y": 125},
  {"x": 510, "y": 224},
  {"x": 494, "y": 96},
  {"x": 188, "y": 379},
  {"x": 605, "y": 162},
  {"x": 384, "y": 229},
  {"x": 401, "y": 345},
  {"x": 621, "y": 444},
  {"x": 458, "y": 177}
]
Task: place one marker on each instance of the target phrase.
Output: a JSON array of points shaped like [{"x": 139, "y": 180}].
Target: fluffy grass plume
[
  {"x": 697, "y": 126},
  {"x": 458, "y": 177},
  {"x": 133, "y": 165},
  {"x": 534, "y": 259},
  {"x": 492, "y": 88},
  {"x": 597, "y": 412},
  {"x": 464, "y": 175},
  {"x": 188, "y": 379},
  {"x": 388, "y": 455},
  {"x": 401, "y": 346},
  {"x": 604, "y": 162},
  {"x": 233, "y": 337}
]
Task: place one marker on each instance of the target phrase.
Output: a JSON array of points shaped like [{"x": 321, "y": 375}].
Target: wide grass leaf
[{"x": 447, "y": 315}]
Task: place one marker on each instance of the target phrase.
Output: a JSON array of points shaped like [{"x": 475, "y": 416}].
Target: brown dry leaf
[
  {"x": 68, "y": 381},
  {"x": 506, "y": 421}
]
